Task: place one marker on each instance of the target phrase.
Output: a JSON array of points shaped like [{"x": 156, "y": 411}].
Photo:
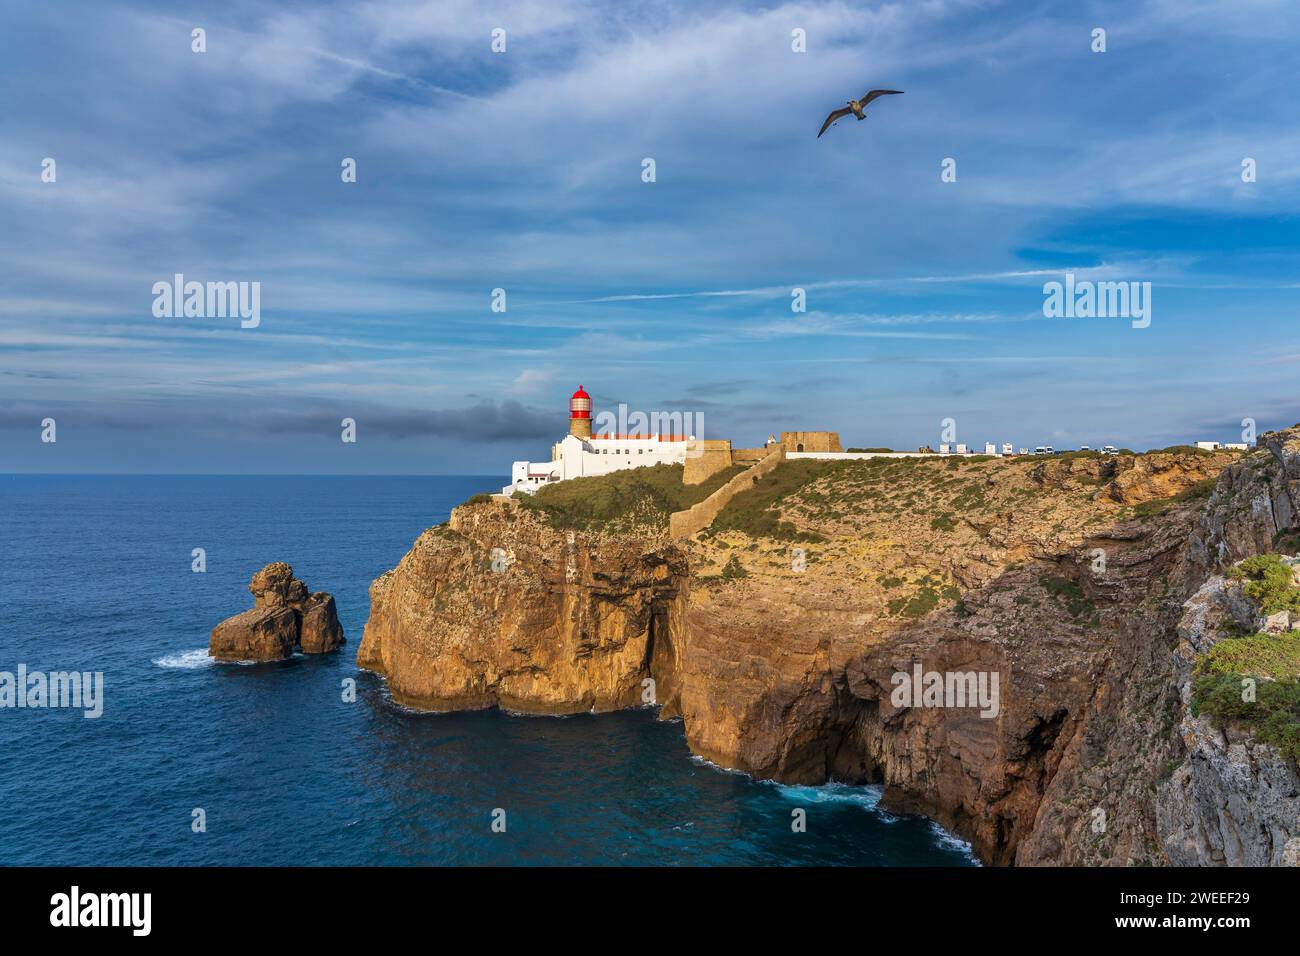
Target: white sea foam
[
  {"x": 954, "y": 841},
  {"x": 187, "y": 660},
  {"x": 697, "y": 759},
  {"x": 866, "y": 797}
]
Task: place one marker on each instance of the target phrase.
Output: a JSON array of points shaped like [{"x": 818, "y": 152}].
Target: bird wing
[
  {"x": 870, "y": 95},
  {"x": 835, "y": 115}
]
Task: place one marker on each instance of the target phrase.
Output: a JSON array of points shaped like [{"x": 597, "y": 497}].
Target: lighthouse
[
  {"x": 580, "y": 454},
  {"x": 580, "y": 414}
]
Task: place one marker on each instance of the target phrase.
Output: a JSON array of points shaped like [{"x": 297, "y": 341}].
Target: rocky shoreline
[{"x": 788, "y": 676}]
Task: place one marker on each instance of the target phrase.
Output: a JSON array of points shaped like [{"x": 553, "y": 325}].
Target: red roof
[
  {"x": 580, "y": 393},
  {"x": 643, "y": 437}
]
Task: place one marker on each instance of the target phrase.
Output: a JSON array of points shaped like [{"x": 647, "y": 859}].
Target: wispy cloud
[{"x": 522, "y": 170}]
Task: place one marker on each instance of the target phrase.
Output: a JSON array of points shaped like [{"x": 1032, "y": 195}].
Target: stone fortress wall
[
  {"x": 811, "y": 441},
  {"x": 683, "y": 524},
  {"x": 709, "y": 456},
  {"x": 705, "y": 457}
]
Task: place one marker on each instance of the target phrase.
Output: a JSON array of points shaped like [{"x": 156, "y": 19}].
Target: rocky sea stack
[{"x": 284, "y": 618}]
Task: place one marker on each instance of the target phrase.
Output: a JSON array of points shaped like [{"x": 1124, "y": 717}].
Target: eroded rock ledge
[
  {"x": 284, "y": 617},
  {"x": 788, "y": 676}
]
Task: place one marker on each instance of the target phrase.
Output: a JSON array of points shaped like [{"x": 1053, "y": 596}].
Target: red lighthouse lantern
[{"x": 580, "y": 414}]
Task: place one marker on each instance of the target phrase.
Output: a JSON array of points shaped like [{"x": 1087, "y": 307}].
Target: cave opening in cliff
[{"x": 661, "y": 659}]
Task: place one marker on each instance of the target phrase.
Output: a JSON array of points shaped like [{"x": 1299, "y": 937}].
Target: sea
[{"x": 197, "y": 763}]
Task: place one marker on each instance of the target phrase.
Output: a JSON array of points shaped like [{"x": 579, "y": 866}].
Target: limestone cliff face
[
  {"x": 498, "y": 609},
  {"x": 1230, "y": 800},
  {"x": 787, "y": 673}
]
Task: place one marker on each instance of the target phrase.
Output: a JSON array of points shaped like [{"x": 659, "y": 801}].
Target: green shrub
[
  {"x": 1070, "y": 592},
  {"x": 1273, "y": 717},
  {"x": 733, "y": 569},
  {"x": 1273, "y": 656},
  {"x": 924, "y": 601},
  {"x": 1180, "y": 450},
  {"x": 1268, "y": 583},
  {"x": 755, "y": 511}
]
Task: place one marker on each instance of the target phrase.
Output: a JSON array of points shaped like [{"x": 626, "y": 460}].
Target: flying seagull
[{"x": 855, "y": 107}]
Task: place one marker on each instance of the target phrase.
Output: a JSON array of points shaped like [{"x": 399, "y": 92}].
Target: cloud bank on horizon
[{"x": 523, "y": 170}]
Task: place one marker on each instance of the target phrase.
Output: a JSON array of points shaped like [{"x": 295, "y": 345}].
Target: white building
[
  {"x": 580, "y": 454},
  {"x": 1227, "y": 445}
]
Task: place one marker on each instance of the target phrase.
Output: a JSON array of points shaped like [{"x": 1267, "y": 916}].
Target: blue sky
[{"x": 522, "y": 170}]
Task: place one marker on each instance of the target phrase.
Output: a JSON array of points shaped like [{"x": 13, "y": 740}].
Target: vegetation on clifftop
[
  {"x": 1254, "y": 681},
  {"x": 756, "y": 511},
  {"x": 638, "y": 499},
  {"x": 1268, "y": 656},
  {"x": 1273, "y": 716},
  {"x": 1268, "y": 582}
]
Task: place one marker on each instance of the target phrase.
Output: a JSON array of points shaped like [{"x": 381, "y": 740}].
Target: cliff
[
  {"x": 777, "y": 633},
  {"x": 499, "y": 609}
]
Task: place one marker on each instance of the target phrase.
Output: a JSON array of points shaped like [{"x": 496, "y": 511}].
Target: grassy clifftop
[
  {"x": 1253, "y": 681},
  {"x": 635, "y": 501},
  {"x": 812, "y": 501}
]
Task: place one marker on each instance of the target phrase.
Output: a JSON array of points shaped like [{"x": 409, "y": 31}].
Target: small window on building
[{"x": 799, "y": 447}]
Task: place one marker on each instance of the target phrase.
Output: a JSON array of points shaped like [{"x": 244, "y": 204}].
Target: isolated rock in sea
[
  {"x": 321, "y": 631},
  {"x": 284, "y": 617},
  {"x": 259, "y": 634}
]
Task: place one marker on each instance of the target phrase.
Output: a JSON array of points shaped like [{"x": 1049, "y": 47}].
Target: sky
[{"x": 524, "y": 170}]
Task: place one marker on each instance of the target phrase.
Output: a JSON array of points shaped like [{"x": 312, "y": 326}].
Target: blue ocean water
[{"x": 95, "y": 575}]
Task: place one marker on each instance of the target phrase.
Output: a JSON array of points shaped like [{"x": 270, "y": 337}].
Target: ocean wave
[
  {"x": 952, "y": 841},
  {"x": 186, "y": 660},
  {"x": 866, "y": 796},
  {"x": 701, "y": 761}
]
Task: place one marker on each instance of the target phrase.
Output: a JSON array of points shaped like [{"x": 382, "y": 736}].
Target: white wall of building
[{"x": 575, "y": 457}]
